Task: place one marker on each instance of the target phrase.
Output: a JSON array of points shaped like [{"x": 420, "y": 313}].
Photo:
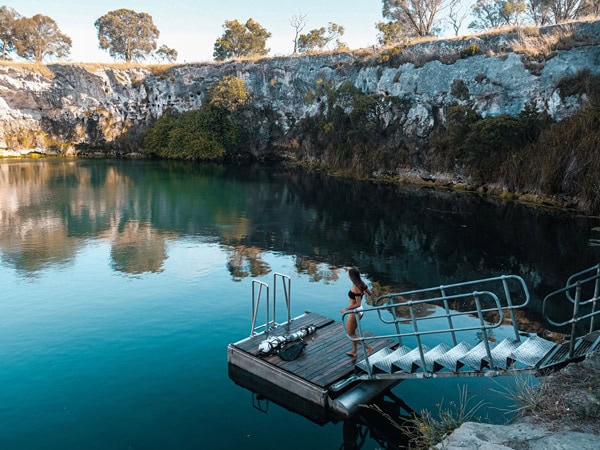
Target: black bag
[{"x": 291, "y": 351}]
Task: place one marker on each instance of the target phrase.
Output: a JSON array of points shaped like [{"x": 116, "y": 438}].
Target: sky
[{"x": 192, "y": 26}]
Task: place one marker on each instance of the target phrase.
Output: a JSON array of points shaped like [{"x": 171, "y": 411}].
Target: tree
[
  {"x": 8, "y": 19},
  {"x": 457, "y": 14},
  {"x": 563, "y": 10},
  {"x": 496, "y": 13},
  {"x": 165, "y": 53},
  {"x": 241, "y": 40},
  {"x": 539, "y": 11},
  {"x": 38, "y": 37},
  {"x": 390, "y": 33},
  {"x": 127, "y": 34},
  {"x": 416, "y": 17},
  {"x": 487, "y": 15},
  {"x": 512, "y": 11},
  {"x": 319, "y": 38},
  {"x": 298, "y": 23}
]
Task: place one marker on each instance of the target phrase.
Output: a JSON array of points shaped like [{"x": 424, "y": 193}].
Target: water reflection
[{"x": 401, "y": 238}]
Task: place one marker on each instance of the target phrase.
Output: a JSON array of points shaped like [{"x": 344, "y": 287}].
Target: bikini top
[{"x": 354, "y": 294}]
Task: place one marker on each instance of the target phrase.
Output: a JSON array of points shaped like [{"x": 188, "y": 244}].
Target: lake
[{"x": 123, "y": 282}]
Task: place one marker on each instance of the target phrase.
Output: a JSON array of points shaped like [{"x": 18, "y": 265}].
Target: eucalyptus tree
[
  {"x": 39, "y": 37},
  {"x": 298, "y": 23},
  {"x": 389, "y": 33},
  {"x": 241, "y": 40},
  {"x": 127, "y": 34},
  {"x": 166, "y": 54},
  {"x": 496, "y": 13},
  {"x": 563, "y": 10},
  {"x": 416, "y": 17},
  {"x": 8, "y": 19},
  {"x": 319, "y": 38},
  {"x": 458, "y": 11}
]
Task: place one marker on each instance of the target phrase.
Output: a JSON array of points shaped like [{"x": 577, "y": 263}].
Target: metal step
[
  {"x": 501, "y": 354},
  {"x": 594, "y": 338},
  {"x": 474, "y": 358},
  {"x": 531, "y": 351},
  {"x": 385, "y": 365},
  {"x": 407, "y": 361},
  {"x": 450, "y": 359},
  {"x": 374, "y": 358},
  {"x": 430, "y": 357},
  {"x": 560, "y": 354}
]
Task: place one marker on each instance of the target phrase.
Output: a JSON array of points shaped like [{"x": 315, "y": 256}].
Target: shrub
[
  {"x": 470, "y": 50},
  {"x": 583, "y": 82},
  {"x": 230, "y": 93},
  {"x": 201, "y": 134}
]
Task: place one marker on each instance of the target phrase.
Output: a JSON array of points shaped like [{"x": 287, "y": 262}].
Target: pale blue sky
[{"x": 192, "y": 26}]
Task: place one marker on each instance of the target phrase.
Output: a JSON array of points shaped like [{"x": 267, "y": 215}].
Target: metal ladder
[
  {"x": 260, "y": 290},
  {"x": 487, "y": 300}
]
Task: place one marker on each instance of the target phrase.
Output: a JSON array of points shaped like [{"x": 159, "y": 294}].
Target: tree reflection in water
[{"x": 403, "y": 238}]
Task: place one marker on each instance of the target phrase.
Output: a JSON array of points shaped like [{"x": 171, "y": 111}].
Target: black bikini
[{"x": 354, "y": 295}]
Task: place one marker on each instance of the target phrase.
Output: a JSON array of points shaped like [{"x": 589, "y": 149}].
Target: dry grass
[
  {"x": 427, "y": 430},
  {"x": 543, "y": 44},
  {"x": 35, "y": 67},
  {"x": 570, "y": 397}
]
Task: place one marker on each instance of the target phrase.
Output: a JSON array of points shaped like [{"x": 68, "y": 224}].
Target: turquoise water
[{"x": 122, "y": 282}]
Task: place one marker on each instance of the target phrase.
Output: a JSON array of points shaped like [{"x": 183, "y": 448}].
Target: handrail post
[
  {"x": 509, "y": 303},
  {"x": 574, "y": 319},
  {"x": 417, "y": 335},
  {"x": 287, "y": 292},
  {"x": 396, "y": 323},
  {"x": 595, "y": 299},
  {"x": 448, "y": 317},
  {"x": 256, "y": 303},
  {"x": 362, "y": 344},
  {"x": 483, "y": 329}
]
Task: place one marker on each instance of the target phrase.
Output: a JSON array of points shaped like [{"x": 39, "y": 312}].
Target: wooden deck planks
[
  {"x": 324, "y": 360},
  {"x": 250, "y": 345}
]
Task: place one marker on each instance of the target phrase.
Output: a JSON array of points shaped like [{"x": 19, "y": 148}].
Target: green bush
[
  {"x": 203, "y": 134},
  {"x": 470, "y": 50},
  {"x": 583, "y": 82},
  {"x": 230, "y": 93},
  {"x": 480, "y": 147}
]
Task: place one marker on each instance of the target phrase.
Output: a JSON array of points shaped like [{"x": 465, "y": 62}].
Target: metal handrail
[
  {"x": 573, "y": 278},
  {"x": 503, "y": 279},
  {"x": 256, "y": 302},
  {"x": 414, "y": 320},
  {"x": 286, "y": 283},
  {"x": 257, "y": 293},
  {"x": 576, "y": 284}
]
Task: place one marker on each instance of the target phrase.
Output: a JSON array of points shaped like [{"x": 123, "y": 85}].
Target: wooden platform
[{"x": 303, "y": 385}]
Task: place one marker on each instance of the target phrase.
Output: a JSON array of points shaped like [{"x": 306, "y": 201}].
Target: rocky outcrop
[
  {"x": 78, "y": 107},
  {"x": 564, "y": 416}
]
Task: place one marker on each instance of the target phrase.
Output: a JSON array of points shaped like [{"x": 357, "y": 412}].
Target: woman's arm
[{"x": 353, "y": 304}]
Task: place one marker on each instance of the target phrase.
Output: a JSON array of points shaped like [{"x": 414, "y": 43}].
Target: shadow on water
[{"x": 385, "y": 420}]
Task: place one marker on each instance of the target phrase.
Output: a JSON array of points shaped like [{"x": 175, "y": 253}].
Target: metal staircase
[{"x": 492, "y": 302}]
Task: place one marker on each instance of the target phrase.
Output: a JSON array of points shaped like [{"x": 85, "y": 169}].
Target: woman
[{"x": 356, "y": 293}]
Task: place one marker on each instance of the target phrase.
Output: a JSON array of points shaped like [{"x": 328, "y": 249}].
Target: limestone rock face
[{"x": 79, "y": 107}]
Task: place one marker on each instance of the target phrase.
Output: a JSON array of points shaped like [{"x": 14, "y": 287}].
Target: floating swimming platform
[{"x": 305, "y": 384}]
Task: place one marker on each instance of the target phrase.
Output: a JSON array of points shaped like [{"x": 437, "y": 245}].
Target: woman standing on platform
[{"x": 359, "y": 288}]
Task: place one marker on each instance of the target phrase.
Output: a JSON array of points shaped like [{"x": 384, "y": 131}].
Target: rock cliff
[{"x": 75, "y": 108}]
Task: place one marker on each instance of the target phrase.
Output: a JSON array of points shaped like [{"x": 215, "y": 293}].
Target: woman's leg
[
  {"x": 351, "y": 330},
  {"x": 351, "y": 326}
]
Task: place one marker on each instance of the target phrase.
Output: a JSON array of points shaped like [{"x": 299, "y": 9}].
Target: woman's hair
[{"x": 354, "y": 275}]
